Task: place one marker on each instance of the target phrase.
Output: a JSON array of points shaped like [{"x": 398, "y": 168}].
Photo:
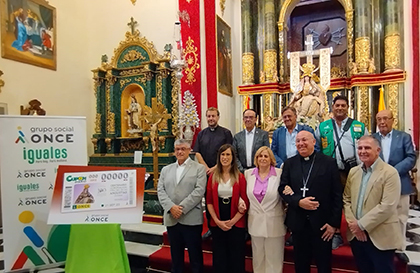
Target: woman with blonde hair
[
  {"x": 224, "y": 188},
  {"x": 266, "y": 213}
]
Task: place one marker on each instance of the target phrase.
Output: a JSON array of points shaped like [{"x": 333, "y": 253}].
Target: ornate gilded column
[
  {"x": 350, "y": 35},
  {"x": 393, "y": 22},
  {"x": 363, "y": 16},
  {"x": 363, "y": 106},
  {"x": 270, "y": 52},
  {"x": 282, "y": 37},
  {"x": 392, "y": 93},
  {"x": 247, "y": 41}
]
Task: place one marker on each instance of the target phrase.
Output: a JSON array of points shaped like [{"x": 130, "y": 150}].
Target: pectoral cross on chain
[{"x": 304, "y": 189}]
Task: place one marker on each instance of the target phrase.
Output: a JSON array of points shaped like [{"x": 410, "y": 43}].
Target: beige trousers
[
  {"x": 267, "y": 254},
  {"x": 402, "y": 210}
]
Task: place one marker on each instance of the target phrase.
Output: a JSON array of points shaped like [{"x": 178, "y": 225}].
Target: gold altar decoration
[
  {"x": 98, "y": 123},
  {"x": 133, "y": 2},
  {"x": 281, "y": 52},
  {"x": 270, "y": 65},
  {"x": 110, "y": 116},
  {"x": 267, "y": 106},
  {"x": 350, "y": 32},
  {"x": 175, "y": 105},
  {"x": 133, "y": 55},
  {"x": 392, "y": 52},
  {"x": 222, "y": 4},
  {"x": 393, "y": 92},
  {"x": 362, "y": 52},
  {"x": 248, "y": 68},
  {"x": 131, "y": 39},
  {"x": 155, "y": 117},
  {"x": 191, "y": 58},
  {"x": 363, "y": 106},
  {"x": 1, "y": 81}
]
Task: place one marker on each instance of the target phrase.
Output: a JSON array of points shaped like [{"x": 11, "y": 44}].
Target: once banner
[
  {"x": 97, "y": 195},
  {"x": 31, "y": 148}
]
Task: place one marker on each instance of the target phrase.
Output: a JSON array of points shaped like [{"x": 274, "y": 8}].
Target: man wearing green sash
[{"x": 337, "y": 137}]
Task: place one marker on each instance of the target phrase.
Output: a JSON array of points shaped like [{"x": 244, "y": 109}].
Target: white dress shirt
[
  {"x": 180, "y": 169},
  {"x": 386, "y": 145},
  {"x": 291, "y": 142},
  {"x": 249, "y": 141}
]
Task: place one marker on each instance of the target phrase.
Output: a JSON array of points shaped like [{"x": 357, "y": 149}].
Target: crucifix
[
  {"x": 153, "y": 118},
  {"x": 132, "y": 24},
  {"x": 304, "y": 189},
  {"x": 324, "y": 64}
]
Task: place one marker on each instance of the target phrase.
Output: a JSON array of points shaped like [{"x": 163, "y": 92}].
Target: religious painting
[
  {"x": 224, "y": 57},
  {"x": 29, "y": 32}
]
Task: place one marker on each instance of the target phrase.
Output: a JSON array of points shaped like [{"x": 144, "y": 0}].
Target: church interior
[{"x": 143, "y": 73}]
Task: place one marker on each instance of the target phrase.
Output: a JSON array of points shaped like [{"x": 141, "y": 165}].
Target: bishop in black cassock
[{"x": 310, "y": 185}]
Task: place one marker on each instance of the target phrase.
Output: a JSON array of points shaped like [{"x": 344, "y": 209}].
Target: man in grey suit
[
  {"x": 398, "y": 151},
  {"x": 180, "y": 190},
  {"x": 249, "y": 140}
]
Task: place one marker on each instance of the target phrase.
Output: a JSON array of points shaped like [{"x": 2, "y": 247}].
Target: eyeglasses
[{"x": 384, "y": 119}]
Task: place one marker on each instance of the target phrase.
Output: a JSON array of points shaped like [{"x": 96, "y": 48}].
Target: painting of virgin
[{"x": 28, "y": 32}]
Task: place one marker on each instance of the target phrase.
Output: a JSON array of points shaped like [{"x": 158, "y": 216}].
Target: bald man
[
  {"x": 400, "y": 146},
  {"x": 310, "y": 184}
]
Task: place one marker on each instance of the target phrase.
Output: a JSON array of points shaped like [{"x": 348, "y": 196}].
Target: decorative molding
[
  {"x": 222, "y": 4},
  {"x": 270, "y": 65},
  {"x": 247, "y": 68},
  {"x": 393, "y": 92},
  {"x": 363, "y": 105},
  {"x": 132, "y": 55},
  {"x": 362, "y": 54},
  {"x": 1, "y": 81},
  {"x": 392, "y": 52},
  {"x": 175, "y": 104},
  {"x": 350, "y": 35},
  {"x": 98, "y": 123}
]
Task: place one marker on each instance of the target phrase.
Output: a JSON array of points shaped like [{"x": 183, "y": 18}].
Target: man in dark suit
[
  {"x": 400, "y": 146},
  {"x": 284, "y": 138},
  {"x": 180, "y": 190},
  {"x": 310, "y": 184},
  {"x": 249, "y": 140}
]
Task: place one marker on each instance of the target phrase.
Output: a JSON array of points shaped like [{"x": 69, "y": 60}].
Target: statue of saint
[
  {"x": 309, "y": 98},
  {"x": 85, "y": 197},
  {"x": 310, "y": 103},
  {"x": 134, "y": 113}
]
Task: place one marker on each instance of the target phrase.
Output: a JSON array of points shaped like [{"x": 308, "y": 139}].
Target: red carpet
[{"x": 342, "y": 261}]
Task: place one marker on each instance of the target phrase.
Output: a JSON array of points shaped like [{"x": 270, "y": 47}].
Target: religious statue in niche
[
  {"x": 309, "y": 99},
  {"x": 133, "y": 115}
]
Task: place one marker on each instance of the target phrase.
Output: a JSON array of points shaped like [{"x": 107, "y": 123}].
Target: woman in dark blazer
[{"x": 224, "y": 188}]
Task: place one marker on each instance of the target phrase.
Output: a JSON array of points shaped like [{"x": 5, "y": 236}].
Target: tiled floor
[{"x": 413, "y": 240}]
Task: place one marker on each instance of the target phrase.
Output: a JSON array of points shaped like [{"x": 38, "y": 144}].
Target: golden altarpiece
[
  {"x": 367, "y": 41},
  {"x": 135, "y": 86}
]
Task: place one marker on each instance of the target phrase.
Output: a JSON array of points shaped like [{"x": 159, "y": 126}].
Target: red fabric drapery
[
  {"x": 416, "y": 83},
  {"x": 190, "y": 35},
  {"x": 211, "y": 61}
]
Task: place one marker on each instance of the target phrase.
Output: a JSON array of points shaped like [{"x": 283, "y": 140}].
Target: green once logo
[{"x": 76, "y": 179}]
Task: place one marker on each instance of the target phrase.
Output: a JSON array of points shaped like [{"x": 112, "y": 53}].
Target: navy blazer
[
  {"x": 402, "y": 157},
  {"x": 278, "y": 143}
]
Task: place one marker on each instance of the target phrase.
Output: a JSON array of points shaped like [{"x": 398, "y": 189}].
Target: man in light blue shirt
[{"x": 370, "y": 202}]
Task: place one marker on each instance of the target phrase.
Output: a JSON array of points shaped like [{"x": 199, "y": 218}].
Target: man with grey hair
[
  {"x": 180, "y": 190},
  {"x": 370, "y": 200}
]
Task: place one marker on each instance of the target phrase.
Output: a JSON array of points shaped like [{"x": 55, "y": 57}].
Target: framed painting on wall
[
  {"x": 224, "y": 57},
  {"x": 29, "y": 32}
]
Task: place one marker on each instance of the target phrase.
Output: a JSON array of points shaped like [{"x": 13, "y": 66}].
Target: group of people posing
[{"x": 247, "y": 184}]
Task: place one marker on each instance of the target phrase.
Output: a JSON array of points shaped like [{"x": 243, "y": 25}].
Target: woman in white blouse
[{"x": 266, "y": 213}]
